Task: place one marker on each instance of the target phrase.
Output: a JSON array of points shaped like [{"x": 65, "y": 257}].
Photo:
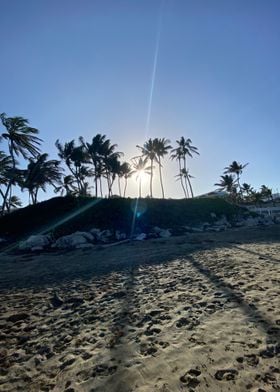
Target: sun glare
[{"x": 142, "y": 176}]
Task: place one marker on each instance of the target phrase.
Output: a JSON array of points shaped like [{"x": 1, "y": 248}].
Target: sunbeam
[{"x": 155, "y": 62}]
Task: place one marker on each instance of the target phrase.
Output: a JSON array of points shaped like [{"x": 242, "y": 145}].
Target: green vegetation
[
  {"x": 64, "y": 215},
  {"x": 242, "y": 193}
]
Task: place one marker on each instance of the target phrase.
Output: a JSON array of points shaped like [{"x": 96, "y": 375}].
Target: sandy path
[{"x": 188, "y": 314}]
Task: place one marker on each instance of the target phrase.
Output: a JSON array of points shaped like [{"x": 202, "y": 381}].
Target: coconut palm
[
  {"x": 22, "y": 141},
  {"x": 125, "y": 172},
  {"x": 95, "y": 150},
  {"x": 67, "y": 186},
  {"x": 266, "y": 193},
  {"x": 75, "y": 158},
  {"x": 162, "y": 147},
  {"x": 237, "y": 169},
  {"x": 148, "y": 151},
  {"x": 183, "y": 150},
  {"x": 110, "y": 158},
  {"x": 227, "y": 183},
  {"x": 139, "y": 168},
  {"x": 40, "y": 172}
]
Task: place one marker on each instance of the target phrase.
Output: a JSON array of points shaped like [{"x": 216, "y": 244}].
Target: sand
[{"x": 191, "y": 313}]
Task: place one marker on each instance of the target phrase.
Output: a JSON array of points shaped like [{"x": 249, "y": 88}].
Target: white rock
[
  {"x": 36, "y": 248},
  {"x": 165, "y": 233},
  {"x": 70, "y": 241},
  {"x": 35, "y": 241},
  {"x": 120, "y": 236},
  {"x": 140, "y": 237},
  {"x": 88, "y": 236}
]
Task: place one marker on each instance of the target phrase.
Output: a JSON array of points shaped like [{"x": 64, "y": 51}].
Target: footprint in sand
[
  {"x": 190, "y": 378},
  {"x": 226, "y": 374}
]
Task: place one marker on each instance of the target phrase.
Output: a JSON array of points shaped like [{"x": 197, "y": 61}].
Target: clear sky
[{"x": 133, "y": 69}]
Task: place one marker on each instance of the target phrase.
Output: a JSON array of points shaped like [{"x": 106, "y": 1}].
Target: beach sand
[{"x": 189, "y": 313}]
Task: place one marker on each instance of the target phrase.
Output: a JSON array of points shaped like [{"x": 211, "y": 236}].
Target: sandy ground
[{"x": 193, "y": 313}]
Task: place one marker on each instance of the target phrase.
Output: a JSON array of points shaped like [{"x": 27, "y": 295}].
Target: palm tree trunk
[
  {"x": 186, "y": 179},
  {"x": 9, "y": 186},
  {"x": 140, "y": 186},
  {"x": 151, "y": 179},
  {"x": 160, "y": 177},
  {"x": 181, "y": 178},
  {"x": 119, "y": 185},
  {"x": 100, "y": 186},
  {"x": 190, "y": 185},
  {"x": 124, "y": 192}
]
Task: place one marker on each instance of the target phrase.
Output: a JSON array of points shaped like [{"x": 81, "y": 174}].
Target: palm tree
[
  {"x": 112, "y": 165},
  {"x": 148, "y": 151},
  {"x": 22, "y": 141},
  {"x": 162, "y": 147},
  {"x": 237, "y": 169},
  {"x": 67, "y": 186},
  {"x": 185, "y": 149},
  {"x": 266, "y": 192},
  {"x": 227, "y": 183},
  {"x": 75, "y": 158},
  {"x": 140, "y": 168},
  {"x": 6, "y": 165},
  {"x": 95, "y": 150},
  {"x": 40, "y": 172},
  {"x": 125, "y": 172}
]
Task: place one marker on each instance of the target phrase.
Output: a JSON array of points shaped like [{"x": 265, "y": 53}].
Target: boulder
[
  {"x": 140, "y": 237},
  {"x": 163, "y": 233},
  {"x": 35, "y": 241},
  {"x": 74, "y": 240},
  {"x": 120, "y": 236}
]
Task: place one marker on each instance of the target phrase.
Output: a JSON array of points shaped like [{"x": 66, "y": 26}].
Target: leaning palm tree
[
  {"x": 22, "y": 141},
  {"x": 40, "y": 172},
  {"x": 266, "y": 192},
  {"x": 140, "y": 169},
  {"x": 184, "y": 149},
  {"x": 67, "y": 186},
  {"x": 148, "y": 151},
  {"x": 228, "y": 184},
  {"x": 162, "y": 147},
  {"x": 96, "y": 150},
  {"x": 237, "y": 169},
  {"x": 6, "y": 165},
  {"x": 75, "y": 158}
]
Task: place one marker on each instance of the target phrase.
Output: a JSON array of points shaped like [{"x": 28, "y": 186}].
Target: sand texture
[{"x": 191, "y": 313}]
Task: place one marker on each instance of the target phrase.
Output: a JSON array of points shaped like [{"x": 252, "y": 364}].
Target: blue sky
[{"x": 81, "y": 67}]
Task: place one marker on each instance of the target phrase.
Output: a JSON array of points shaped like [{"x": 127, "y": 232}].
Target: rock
[
  {"x": 140, "y": 237},
  {"x": 120, "y": 236},
  {"x": 163, "y": 233},
  {"x": 105, "y": 235},
  {"x": 96, "y": 233},
  {"x": 36, "y": 248},
  {"x": 35, "y": 241},
  {"x": 213, "y": 215},
  {"x": 18, "y": 317},
  {"x": 73, "y": 240}
]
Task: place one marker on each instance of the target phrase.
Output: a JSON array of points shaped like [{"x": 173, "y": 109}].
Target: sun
[{"x": 142, "y": 176}]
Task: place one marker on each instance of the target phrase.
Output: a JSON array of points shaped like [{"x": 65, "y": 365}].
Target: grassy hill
[{"x": 63, "y": 215}]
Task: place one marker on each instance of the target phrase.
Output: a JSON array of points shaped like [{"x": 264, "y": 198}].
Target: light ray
[{"x": 155, "y": 62}]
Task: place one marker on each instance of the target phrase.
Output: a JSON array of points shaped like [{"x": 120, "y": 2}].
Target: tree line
[
  {"x": 88, "y": 165},
  {"x": 230, "y": 182}
]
